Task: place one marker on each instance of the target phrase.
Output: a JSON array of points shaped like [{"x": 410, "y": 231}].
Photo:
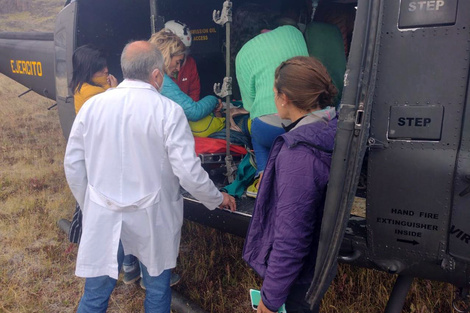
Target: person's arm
[
  {"x": 295, "y": 222},
  {"x": 193, "y": 110},
  {"x": 194, "y": 83},
  {"x": 74, "y": 163},
  {"x": 186, "y": 165}
]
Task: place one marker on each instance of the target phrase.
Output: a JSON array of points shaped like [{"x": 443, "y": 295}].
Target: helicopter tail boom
[{"x": 28, "y": 58}]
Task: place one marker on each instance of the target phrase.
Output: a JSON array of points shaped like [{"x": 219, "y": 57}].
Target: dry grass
[
  {"x": 34, "y": 265},
  {"x": 40, "y": 15},
  {"x": 37, "y": 262}
]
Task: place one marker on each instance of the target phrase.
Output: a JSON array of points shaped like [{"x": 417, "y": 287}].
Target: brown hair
[
  {"x": 305, "y": 82},
  {"x": 169, "y": 44}
]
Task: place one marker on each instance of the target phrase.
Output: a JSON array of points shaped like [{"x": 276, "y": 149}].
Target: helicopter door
[
  {"x": 416, "y": 137},
  {"x": 459, "y": 231},
  {"x": 416, "y": 129},
  {"x": 350, "y": 144},
  {"x": 64, "y": 45}
]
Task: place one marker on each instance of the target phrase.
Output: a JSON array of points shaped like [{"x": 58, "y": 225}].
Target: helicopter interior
[{"x": 111, "y": 24}]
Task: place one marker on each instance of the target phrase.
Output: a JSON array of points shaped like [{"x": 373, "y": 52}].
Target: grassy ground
[
  {"x": 38, "y": 16},
  {"x": 37, "y": 262}
]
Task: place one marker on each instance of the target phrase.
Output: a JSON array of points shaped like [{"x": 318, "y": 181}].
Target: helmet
[{"x": 181, "y": 30}]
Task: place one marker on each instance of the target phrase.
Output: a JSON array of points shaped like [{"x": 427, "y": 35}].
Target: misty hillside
[
  {"x": 11, "y": 6},
  {"x": 29, "y": 15}
]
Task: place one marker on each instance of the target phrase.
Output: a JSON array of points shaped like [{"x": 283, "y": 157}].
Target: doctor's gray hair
[{"x": 139, "y": 59}]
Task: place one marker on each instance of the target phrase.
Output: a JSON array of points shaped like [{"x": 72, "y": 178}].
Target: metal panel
[
  {"x": 28, "y": 59},
  {"x": 427, "y": 13},
  {"x": 410, "y": 182},
  {"x": 459, "y": 232},
  {"x": 350, "y": 145},
  {"x": 235, "y": 223},
  {"x": 415, "y": 122},
  {"x": 64, "y": 44}
]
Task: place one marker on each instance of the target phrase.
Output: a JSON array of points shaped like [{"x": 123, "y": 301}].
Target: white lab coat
[{"x": 129, "y": 151}]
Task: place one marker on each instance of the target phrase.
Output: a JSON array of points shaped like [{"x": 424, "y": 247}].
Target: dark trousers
[{"x": 296, "y": 302}]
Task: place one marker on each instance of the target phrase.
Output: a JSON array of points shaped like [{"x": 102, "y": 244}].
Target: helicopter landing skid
[
  {"x": 397, "y": 297},
  {"x": 461, "y": 303}
]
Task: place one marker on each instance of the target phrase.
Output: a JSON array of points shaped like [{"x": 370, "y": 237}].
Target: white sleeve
[
  {"x": 74, "y": 163},
  {"x": 185, "y": 164}
]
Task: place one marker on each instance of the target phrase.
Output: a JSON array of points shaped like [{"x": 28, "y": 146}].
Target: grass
[
  {"x": 32, "y": 195},
  {"x": 37, "y": 262},
  {"x": 40, "y": 16}
]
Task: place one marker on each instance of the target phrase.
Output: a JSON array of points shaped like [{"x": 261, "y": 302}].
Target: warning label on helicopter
[
  {"x": 32, "y": 68},
  {"x": 415, "y": 122},
  {"x": 460, "y": 234},
  {"x": 202, "y": 34},
  {"x": 416, "y": 225},
  {"x": 424, "y": 13},
  {"x": 410, "y": 228}
]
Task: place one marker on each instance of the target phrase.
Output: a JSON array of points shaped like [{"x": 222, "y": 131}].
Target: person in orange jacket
[{"x": 90, "y": 75}]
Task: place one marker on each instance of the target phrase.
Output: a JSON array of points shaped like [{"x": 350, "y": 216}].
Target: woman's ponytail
[{"x": 306, "y": 83}]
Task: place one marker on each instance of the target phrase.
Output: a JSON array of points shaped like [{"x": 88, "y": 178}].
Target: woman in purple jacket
[{"x": 282, "y": 240}]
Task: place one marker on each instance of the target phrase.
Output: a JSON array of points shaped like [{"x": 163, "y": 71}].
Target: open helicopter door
[
  {"x": 350, "y": 145},
  {"x": 405, "y": 100},
  {"x": 64, "y": 45}
]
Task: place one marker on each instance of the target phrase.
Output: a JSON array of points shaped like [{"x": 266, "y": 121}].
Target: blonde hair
[
  {"x": 169, "y": 44},
  {"x": 306, "y": 82}
]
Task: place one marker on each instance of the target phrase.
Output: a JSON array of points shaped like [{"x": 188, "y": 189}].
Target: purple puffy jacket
[{"x": 282, "y": 239}]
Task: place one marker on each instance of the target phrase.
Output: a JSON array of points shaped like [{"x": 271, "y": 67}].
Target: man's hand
[
  {"x": 262, "y": 308},
  {"x": 112, "y": 81},
  {"x": 228, "y": 202}
]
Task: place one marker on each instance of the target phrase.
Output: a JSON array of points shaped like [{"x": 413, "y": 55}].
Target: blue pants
[
  {"x": 98, "y": 290},
  {"x": 262, "y": 138},
  {"x": 129, "y": 261}
]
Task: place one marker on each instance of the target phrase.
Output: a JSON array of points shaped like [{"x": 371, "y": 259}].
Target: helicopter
[{"x": 403, "y": 137}]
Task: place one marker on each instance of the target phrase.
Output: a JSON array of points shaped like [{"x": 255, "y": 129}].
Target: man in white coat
[{"x": 128, "y": 152}]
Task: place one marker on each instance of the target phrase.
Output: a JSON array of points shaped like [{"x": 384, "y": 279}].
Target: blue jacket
[
  {"x": 282, "y": 239},
  {"x": 193, "y": 110}
]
